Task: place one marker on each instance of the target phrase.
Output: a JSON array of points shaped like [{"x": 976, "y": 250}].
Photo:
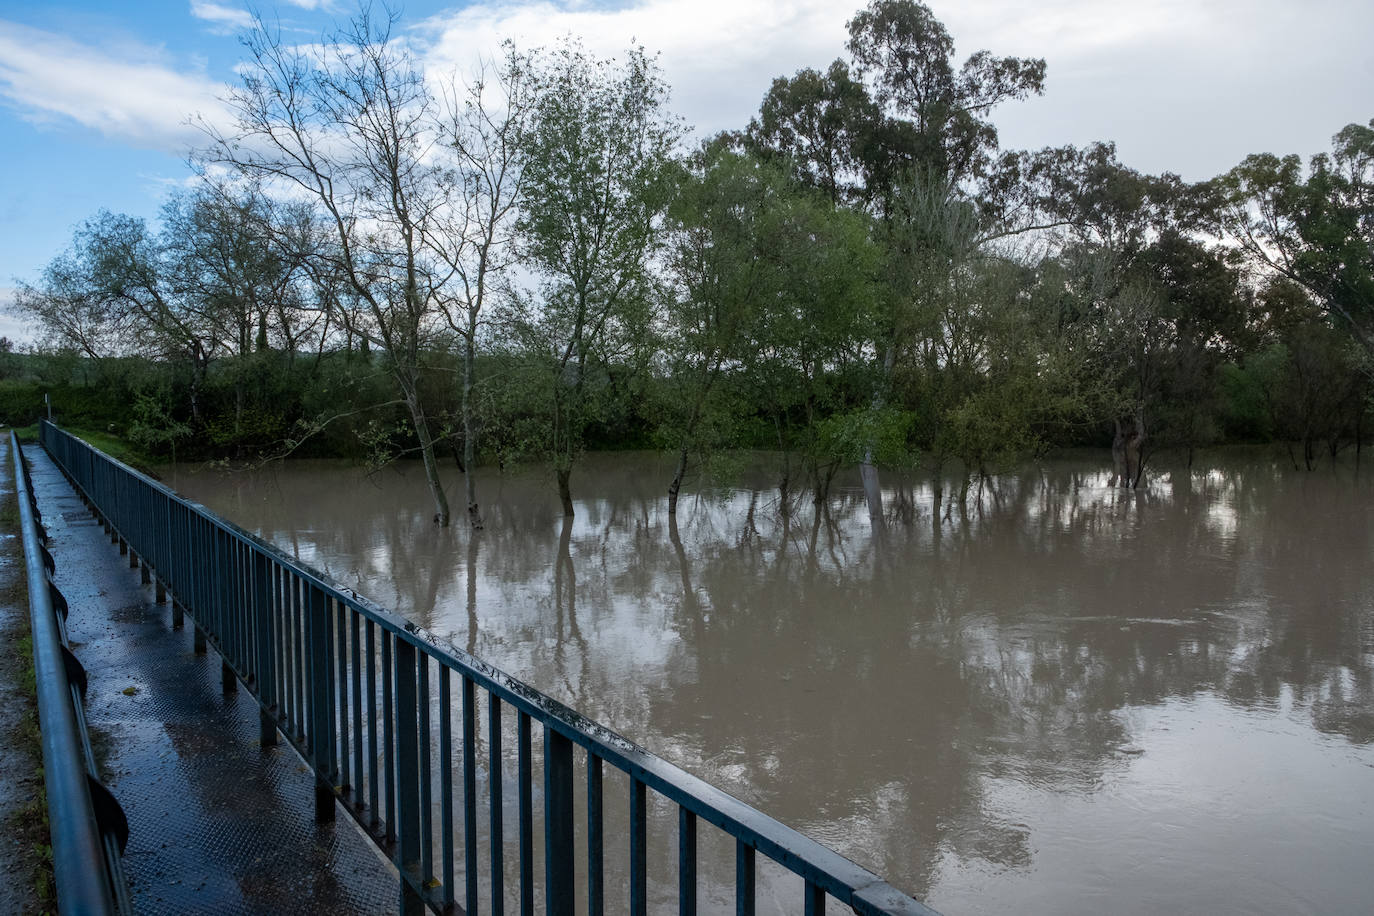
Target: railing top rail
[
  {"x": 845, "y": 880},
  {"x": 78, "y": 855}
]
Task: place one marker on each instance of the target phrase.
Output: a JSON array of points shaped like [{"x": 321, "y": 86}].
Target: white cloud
[
  {"x": 226, "y": 18},
  {"x": 130, "y": 94},
  {"x": 1185, "y": 85},
  {"x": 719, "y": 55}
]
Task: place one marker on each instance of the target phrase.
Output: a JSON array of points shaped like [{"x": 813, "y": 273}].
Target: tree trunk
[
  {"x": 436, "y": 486},
  {"x": 868, "y": 474},
  {"x": 676, "y": 485},
  {"x": 469, "y": 437},
  {"x": 1120, "y": 471},
  {"x": 873, "y": 494},
  {"x": 564, "y": 492},
  {"x": 1127, "y": 444}
]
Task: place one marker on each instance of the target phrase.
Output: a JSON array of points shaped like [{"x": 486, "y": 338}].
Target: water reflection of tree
[{"x": 872, "y": 691}]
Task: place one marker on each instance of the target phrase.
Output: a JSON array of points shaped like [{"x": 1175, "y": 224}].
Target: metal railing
[
  {"x": 87, "y": 827},
  {"x": 353, "y": 688}
]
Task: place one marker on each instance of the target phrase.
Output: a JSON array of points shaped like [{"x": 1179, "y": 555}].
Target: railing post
[
  {"x": 686, "y": 862},
  {"x": 744, "y": 879},
  {"x": 408, "y": 780},
  {"x": 558, "y": 824},
  {"x": 321, "y": 738},
  {"x": 266, "y": 647}
]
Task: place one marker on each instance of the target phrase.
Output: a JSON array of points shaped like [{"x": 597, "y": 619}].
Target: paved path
[{"x": 217, "y": 823}]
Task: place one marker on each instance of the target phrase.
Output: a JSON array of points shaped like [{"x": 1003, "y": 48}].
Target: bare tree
[
  {"x": 474, "y": 238},
  {"x": 351, "y": 124}
]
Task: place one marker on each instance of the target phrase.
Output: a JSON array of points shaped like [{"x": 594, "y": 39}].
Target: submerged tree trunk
[
  {"x": 1127, "y": 445},
  {"x": 676, "y": 485},
  {"x": 469, "y": 438},
  {"x": 564, "y": 490},
  {"x": 436, "y": 486},
  {"x": 868, "y": 473}
]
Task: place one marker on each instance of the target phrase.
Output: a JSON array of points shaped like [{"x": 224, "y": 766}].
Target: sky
[{"x": 96, "y": 96}]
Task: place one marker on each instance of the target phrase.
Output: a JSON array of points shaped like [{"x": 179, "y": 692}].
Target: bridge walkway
[{"x": 217, "y": 823}]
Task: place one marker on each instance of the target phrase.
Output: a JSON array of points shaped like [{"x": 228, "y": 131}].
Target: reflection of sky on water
[{"x": 1068, "y": 696}]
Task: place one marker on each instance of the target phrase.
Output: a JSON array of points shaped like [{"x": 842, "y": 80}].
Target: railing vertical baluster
[
  {"x": 525, "y": 789},
  {"x": 686, "y": 862},
  {"x": 425, "y": 777},
  {"x": 470, "y": 793},
  {"x": 744, "y": 879},
  {"x": 275, "y": 573},
  {"x": 340, "y": 659},
  {"x": 446, "y": 782},
  {"x": 267, "y": 678},
  {"x": 596, "y": 870},
  {"x": 498, "y": 885},
  {"x": 320, "y": 743},
  {"x": 815, "y": 900},
  {"x": 408, "y": 813},
  {"x": 330, "y": 693},
  {"x": 373, "y": 789},
  {"x": 298, "y": 589},
  {"x": 354, "y": 631},
  {"x": 559, "y": 886},
  {"x": 388, "y": 739},
  {"x": 639, "y": 848}
]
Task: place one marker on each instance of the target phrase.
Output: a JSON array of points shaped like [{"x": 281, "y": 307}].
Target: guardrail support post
[
  {"x": 227, "y": 680},
  {"x": 160, "y": 592},
  {"x": 558, "y": 824}
]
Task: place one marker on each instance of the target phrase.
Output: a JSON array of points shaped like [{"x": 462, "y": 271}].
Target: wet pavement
[{"x": 217, "y": 823}]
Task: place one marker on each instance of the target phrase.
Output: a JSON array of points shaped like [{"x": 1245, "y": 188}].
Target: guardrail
[
  {"x": 87, "y": 826},
  {"x": 353, "y": 687}
]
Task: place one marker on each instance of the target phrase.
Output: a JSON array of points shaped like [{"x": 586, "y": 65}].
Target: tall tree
[
  {"x": 1315, "y": 229},
  {"x": 596, "y": 160},
  {"x": 114, "y": 293},
  {"x": 474, "y": 235},
  {"x": 351, "y": 123},
  {"x": 937, "y": 114}
]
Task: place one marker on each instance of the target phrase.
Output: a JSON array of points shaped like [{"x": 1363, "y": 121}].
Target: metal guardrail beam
[
  {"x": 85, "y": 853},
  {"x": 350, "y": 684}
]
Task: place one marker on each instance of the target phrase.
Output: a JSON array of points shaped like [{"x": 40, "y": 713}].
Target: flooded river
[{"x": 1070, "y": 699}]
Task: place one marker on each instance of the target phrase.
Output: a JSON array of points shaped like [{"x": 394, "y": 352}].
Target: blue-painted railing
[
  {"x": 352, "y": 687},
  {"x": 86, "y": 825}
]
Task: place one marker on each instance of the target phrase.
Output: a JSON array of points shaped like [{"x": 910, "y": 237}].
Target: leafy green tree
[
  {"x": 1314, "y": 229},
  {"x": 938, "y": 115},
  {"x": 596, "y": 157},
  {"x": 822, "y": 126},
  {"x": 721, "y": 272},
  {"x": 114, "y": 293}
]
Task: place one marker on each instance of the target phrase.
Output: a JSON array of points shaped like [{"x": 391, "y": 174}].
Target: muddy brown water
[{"x": 1070, "y": 699}]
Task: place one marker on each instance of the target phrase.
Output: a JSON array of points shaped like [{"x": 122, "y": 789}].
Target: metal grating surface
[{"x": 217, "y": 824}]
